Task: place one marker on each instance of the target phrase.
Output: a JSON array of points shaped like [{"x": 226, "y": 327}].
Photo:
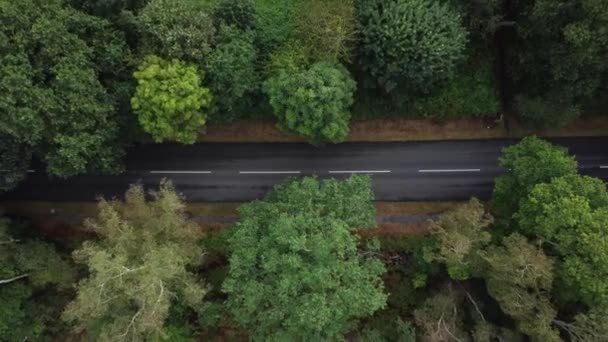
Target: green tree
[
  {"x": 238, "y": 13},
  {"x": 139, "y": 267},
  {"x": 546, "y": 111},
  {"x": 519, "y": 276},
  {"x": 176, "y": 29},
  {"x": 169, "y": 100},
  {"x": 440, "y": 317},
  {"x": 530, "y": 162},
  {"x": 15, "y": 159},
  {"x": 29, "y": 268},
  {"x": 314, "y": 103},
  {"x": 295, "y": 272},
  {"x": 412, "y": 43},
  {"x": 232, "y": 74},
  {"x": 460, "y": 234},
  {"x": 49, "y": 77},
  {"x": 560, "y": 51},
  {"x": 571, "y": 214},
  {"x": 328, "y": 28}
]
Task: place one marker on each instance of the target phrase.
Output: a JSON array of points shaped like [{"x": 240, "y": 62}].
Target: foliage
[
  {"x": 139, "y": 266},
  {"x": 440, "y": 318},
  {"x": 530, "y": 162},
  {"x": 589, "y": 326},
  {"x": 292, "y": 58},
  {"x": 469, "y": 94},
  {"x": 15, "y": 159},
  {"x": 52, "y": 98},
  {"x": 416, "y": 43},
  {"x": 571, "y": 214},
  {"x": 169, "y": 100},
  {"x": 27, "y": 267},
  {"x": 238, "y": 13},
  {"x": 519, "y": 276},
  {"x": 328, "y": 29},
  {"x": 482, "y": 19},
  {"x": 176, "y": 29},
  {"x": 314, "y": 103},
  {"x": 232, "y": 74},
  {"x": 275, "y": 23},
  {"x": 460, "y": 234},
  {"x": 549, "y": 111},
  {"x": 294, "y": 269},
  {"x": 561, "y": 47}
]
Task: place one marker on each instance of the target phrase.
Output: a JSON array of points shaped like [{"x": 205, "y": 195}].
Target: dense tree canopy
[
  {"x": 50, "y": 60},
  {"x": 170, "y": 101},
  {"x": 294, "y": 269},
  {"x": 412, "y": 43},
  {"x": 28, "y": 267},
  {"x": 530, "y": 162},
  {"x": 314, "y": 103},
  {"x": 176, "y": 29},
  {"x": 15, "y": 158},
  {"x": 139, "y": 267}
]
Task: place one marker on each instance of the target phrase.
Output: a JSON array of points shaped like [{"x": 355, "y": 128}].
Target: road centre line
[
  {"x": 368, "y": 171},
  {"x": 178, "y": 172},
  {"x": 454, "y": 170},
  {"x": 603, "y": 166},
  {"x": 269, "y": 172},
  {"x": 31, "y": 171}
]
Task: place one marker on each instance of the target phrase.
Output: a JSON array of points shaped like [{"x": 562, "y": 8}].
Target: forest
[{"x": 82, "y": 80}]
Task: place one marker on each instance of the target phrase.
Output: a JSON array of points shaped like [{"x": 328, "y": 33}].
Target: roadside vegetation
[
  {"x": 304, "y": 263},
  {"x": 83, "y": 79}
]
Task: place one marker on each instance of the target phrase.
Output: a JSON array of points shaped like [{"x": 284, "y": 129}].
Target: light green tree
[
  {"x": 520, "y": 276},
  {"x": 570, "y": 214},
  {"x": 295, "y": 272},
  {"x": 169, "y": 101},
  {"x": 139, "y": 267},
  {"x": 314, "y": 103},
  {"x": 530, "y": 162},
  {"x": 460, "y": 235}
]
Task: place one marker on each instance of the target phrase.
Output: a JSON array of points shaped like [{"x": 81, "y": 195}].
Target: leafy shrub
[
  {"x": 469, "y": 94},
  {"x": 232, "y": 74},
  {"x": 314, "y": 103},
  {"x": 292, "y": 57},
  {"x": 546, "y": 112},
  {"x": 176, "y": 29},
  {"x": 239, "y": 13},
  {"x": 416, "y": 43},
  {"x": 169, "y": 100},
  {"x": 275, "y": 23},
  {"x": 328, "y": 28}
]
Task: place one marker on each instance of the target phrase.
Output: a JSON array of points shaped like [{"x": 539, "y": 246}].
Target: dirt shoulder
[{"x": 400, "y": 129}]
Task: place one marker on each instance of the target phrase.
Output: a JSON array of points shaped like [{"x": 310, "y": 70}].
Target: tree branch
[{"x": 10, "y": 280}]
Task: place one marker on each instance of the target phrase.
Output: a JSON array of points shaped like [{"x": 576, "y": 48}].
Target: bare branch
[
  {"x": 475, "y": 305},
  {"x": 10, "y": 280}
]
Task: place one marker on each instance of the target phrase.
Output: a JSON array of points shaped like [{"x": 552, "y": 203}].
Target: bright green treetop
[
  {"x": 138, "y": 267},
  {"x": 169, "y": 100},
  {"x": 413, "y": 43},
  {"x": 314, "y": 103},
  {"x": 530, "y": 162},
  {"x": 295, "y": 272},
  {"x": 571, "y": 213}
]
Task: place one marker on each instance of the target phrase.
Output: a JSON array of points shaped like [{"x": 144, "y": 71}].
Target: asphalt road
[{"x": 412, "y": 171}]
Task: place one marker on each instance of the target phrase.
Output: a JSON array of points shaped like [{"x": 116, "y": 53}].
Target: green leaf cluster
[
  {"x": 295, "y": 272},
  {"x": 314, "y": 103},
  {"x": 169, "y": 101},
  {"x": 413, "y": 43}
]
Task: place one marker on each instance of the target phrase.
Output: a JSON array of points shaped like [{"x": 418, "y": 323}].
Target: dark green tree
[
  {"x": 51, "y": 59},
  {"x": 411, "y": 43},
  {"x": 295, "y": 272},
  {"x": 31, "y": 272},
  {"x": 15, "y": 159},
  {"x": 232, "y": 74},
  {"x": 176, "y": 29},
  {"x": 238, "y": 13},
  {"x": 314, "y": 103}
]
